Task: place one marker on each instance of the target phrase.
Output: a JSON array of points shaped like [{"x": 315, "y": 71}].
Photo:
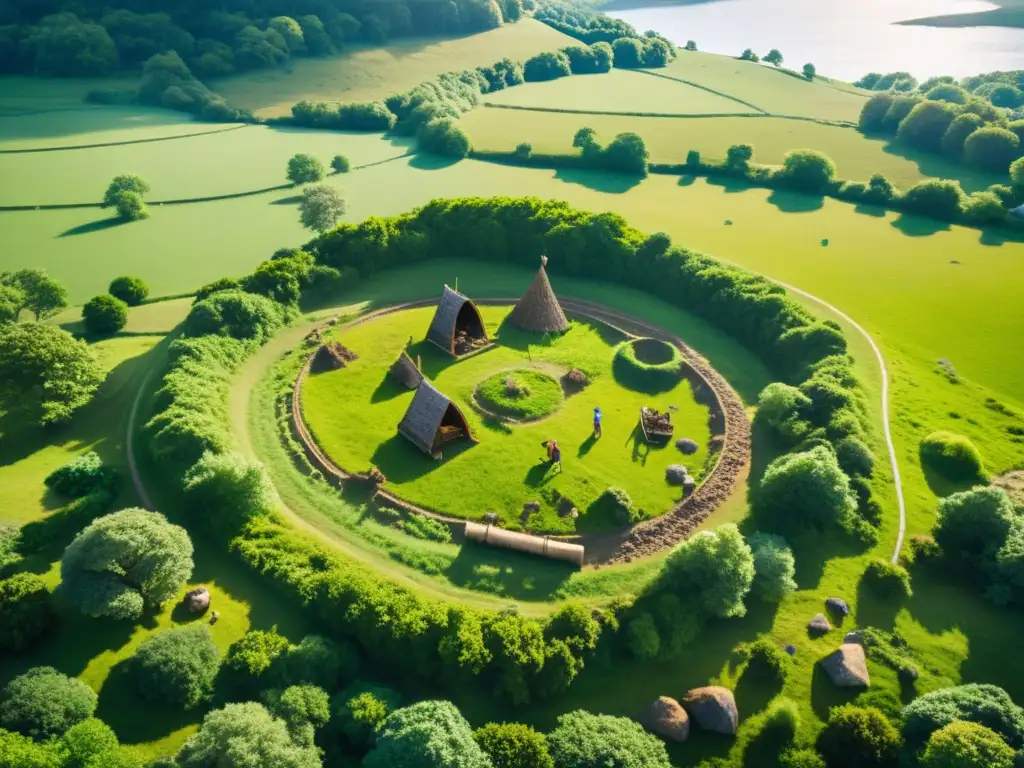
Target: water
[{"x": 843, "y": 38}]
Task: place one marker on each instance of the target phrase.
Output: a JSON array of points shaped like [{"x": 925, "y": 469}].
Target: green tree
[
  {"x": 810, "y": 71},
  {"x": 26, "y": 613},
  {"x": 749, "y": 55},
  {"x": 225, "y": 490},
  {"x": 340, "y": 164},
  {"x": 953, "y": 456},
  {"x": 983, "y": 208},
  {"x": 124, "y": 183},
  {"x": 513, "y": 745},
  {"x": 962, "y": 127},
  {"x": 628, "y": 53},
  {"x": 966, "y": 745},
  {"x": 713, "y": 568},
  {"x": 984, "y": 704},
  {"x": 359, "y": 712},
  {"x": 949, "y": 92},
  {"x": 872, "y": 114},
  {"x": 1006, "y": 96},
  {"x": 430, "y": 734},
  {"x": 973, "y": 525},
  {"x": 691, "y": 45},
  {"x": 34, "y": 290},
  {"x": 130, "y": 206},
  {"x": 991, "y": 149},
  {"x": 642, "y": 636},
  {"x": 250, "y": 658},
  {"x": 62, "y": 45},
  {"x": 91, "y": 744},
  {"x": 546, "y": 66},
  {"x": 237, "y": 314},
  {"x": 443, "y": 136},
  {"x": 783, "y": 408},
  {"x": 321, "y": 208},
  {"x": 585, "y": 140},
  {"x": 44, "y": 702},
  {"x": 626, "y": 153},
  {"x": 104, "y": 315},
  {"x": 738, "y": 157},
  {"x": 305, "y": 169},
  {"x": 177, "y": 666},
  {"x": 245, "y": 734},
  {"x": 583, "y": 740},
  {"x": 1017, "y": 174},
  {"x": 774, "y": 567},
  {"x": 808, "y": 170},
  {"x": 859, "y": 737},
  {"x": 291, "y": 31},
  {"x": 939, "y": 198},
  {"x": 806, "y": 490},
  {"x": 131, "y": 290},
  {"x": 305, "y": 708},
  {"x": 125, "y": 563},
  {"x": 774, "y": 57},
  {"x": 46, "y": 374},
  {"x": 12, "y": 299},
  {"x": 926, "y": 125},
  {"x": 17, "y": 751}
]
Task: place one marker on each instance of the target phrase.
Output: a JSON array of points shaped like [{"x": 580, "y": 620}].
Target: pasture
[{"x": 368, "y": 74}]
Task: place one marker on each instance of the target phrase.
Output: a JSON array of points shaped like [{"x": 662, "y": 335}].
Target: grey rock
[
  {"x": 847, "y": 667},
  {"x": 714, "y": 709},
  {"x": 819, "y": 625},
  {"x": 668, "y": 719},
  {"x": 837, "y": 606},
  {"x": 675, "y": 474},
  {"x": 687, "y": 446},
  {"x": 852, "y": 637}
]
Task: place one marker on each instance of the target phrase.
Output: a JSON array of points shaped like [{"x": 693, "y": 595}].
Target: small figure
[
  {"x": 548, "y": 446},
  {"x": 213, "y": 617},
  {"x": 556, "y": 455},
  {"x": 597, "y": 422}
]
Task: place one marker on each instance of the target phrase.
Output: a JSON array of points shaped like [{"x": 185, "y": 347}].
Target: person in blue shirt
[{"x": 597, "y": 422}]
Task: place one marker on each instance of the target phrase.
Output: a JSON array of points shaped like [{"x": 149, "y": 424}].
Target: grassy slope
[
  {"x": 374, "y": 73},
  {"x": 353, "y": 413}
]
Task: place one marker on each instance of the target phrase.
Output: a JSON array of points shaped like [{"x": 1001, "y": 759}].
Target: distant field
[
  {"x": 669, "y": 139},
  {"x": 253, "y": 157},
  {"x": 21, "y": 94},
  {"x": 620, "y": 90},
  {"x": 374, "y": 73},
  {"x": 773, "y": 91}
]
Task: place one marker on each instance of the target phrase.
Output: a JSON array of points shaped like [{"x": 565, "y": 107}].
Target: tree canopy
[
  {"x": 30, "y": 289},
  {"x": 125, "y": 563},
  {"x": 104, "y": 315},
  {"x": 807, "y": 489},
  {"x": 44, "y": 702},
  {"x": 583, "y": 740},
  {"x": 774, "y": 567},
  {"x": 714, "y": 568},
  {"x": 305, "y": 169},
  {"x": 245, "y": 734},
  {"x": 980, "y": 703},
  {"x": 131, "y": 290},
  {"x": 430, "y": 734},
  {"x": 966, "y": 745},
  {"x": 25, "y": 611},
  {"x": 513, "y": 745},
  {"x": 321, "y": 208},
  {"x": 177, "y": 666}
]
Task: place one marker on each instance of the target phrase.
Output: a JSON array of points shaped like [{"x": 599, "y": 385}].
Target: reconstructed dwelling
[
  {"x": 405, "y": 372},
  {"x": 433, "y": 420},
  {"x": 538, "y": 310},
  {"x": 457, "y": 327}
]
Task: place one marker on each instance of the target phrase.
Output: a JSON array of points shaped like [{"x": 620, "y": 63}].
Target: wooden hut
[
  {"x": 457, "y": 327},
  {"x": 524, "y": 542},
  {"x": 538, "y": 310},
  {"x": 405, "y": 372},
  {"x": 433, "y": 420}
]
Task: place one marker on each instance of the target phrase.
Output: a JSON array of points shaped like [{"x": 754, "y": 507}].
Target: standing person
[
  {"x": 556, "y": 455},
  {"x": 597, "y": 422}
]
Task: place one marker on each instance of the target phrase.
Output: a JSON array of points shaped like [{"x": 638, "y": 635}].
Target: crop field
[
  {"x": 368, "y": 74},
  {"x": 354, "y": 412},
  {"x": 620, "y": 90},
  {"x": 774, "y": 91}
]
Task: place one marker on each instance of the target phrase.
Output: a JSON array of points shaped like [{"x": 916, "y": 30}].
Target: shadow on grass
[
  {"x": 402, "y": 462},
  {"x": 875, "y": 611},
  {"x": 120, "y": 706},
  {"x": 765, "y": 749},
  {"x": 939, "y": 167},
  {"x": 943, "y": 486},
  {"x": 728, "y": 184},
  {"x": 825, "y": 694},
  {"x": 919, "y": 226},
  {"x": 613, "y": 183},
  {"x": 997, "y": 237},
  {"x": 874, "y": 211},
  {"x": 586, "y": 446},
  {"x": 424, "y": 161},
  {"x": 509, "y": 574},
  {"x": 540, "y": 473},
  {"x": 387, "y": 389},
  {"x": 796, "y": 202},
  {"x": 290, "y": 200},
  {"x": 687, "y": 180},
  {"x": 433, "y": 359},
  {"x": 754, "y": 692},
  {"x": 513, "y": 337},
  {"x": 94, "y": 226}
]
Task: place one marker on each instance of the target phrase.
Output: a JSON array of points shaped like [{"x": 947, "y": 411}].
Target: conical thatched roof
[
  {"x": 538, "y": 310},
  {"x": 426, "y": 413},
  {"x": 442, "y": 327},
  {"x": 405, "y": 372}
]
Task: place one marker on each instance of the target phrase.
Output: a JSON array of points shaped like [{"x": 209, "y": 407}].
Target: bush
[
  {"x": 431, "y": 734},
  {"x": 617, "y": 503},
  {"x": 983, "y": 209},
  {"x": 962, "y": 127},
  {"x": 43, "y": 703},
  {"x": 444, "y": 137},
  {"x": 546, "y": 66},
  {"x": 93, "y": 744},
  {"x": 954, "y": 94},
  {"x": 647, "y": 365},
  {"x": 104, "y": 315},
  {"x": 131, "y": 290},
  {"x": 317, "y": 660},
  {"x": 642, "y": 636},
  {"x": 766, "y": 661},
  {"x": 626, "y": 153},
  {"x": 774, "y": 567},
  {"x": 249, "y": 659},
  {"x": 125, "y": 183},
  {"x": 226, "y": 490},
  {"x": 855, "y": 458},
  {"x": 240, "y": 732},
  {"x": 234, "y": 313},
  {"x": 714, "y": 568},
  {"x": 749, "y": 55},
  {"x": 340, "y": 164},
  {"x": 25, "y": 611},
  {"x": 926, "y": 125},
  {"x": 808, "y": 171},
  {"x": 991, "y": 149},
  {"x": 801, "y": 758},
  {"x": 305, "y": 169},
  {"x": 938, "y": 198},
  {"x": 130, "y": 207},
  {"x": 806, "y": 490},
  {"x": 782, "y": 720},
  {"x": 953, "y": 456},
  {"x": 513, "y": 745},
  {"x": 583, "y": 740},
  {"x": 177, "y": 666},
  {"x": 305, "y": 708},
  {"x": 426, "y": 528},
  {"x": 359, "y": 713},
  {"x": 966, "y": 745},
  {"x": 365, "y": 116},
  {"x": 986, "y": 705},
  {"x": 628, "y": 53},
  {"x": 125, "y": 563},
  {"x": 859, "y": 737},
  {"x": 81, "y": 476},
  {"x": 872, "y": 114},
  {"x": 973, "y": 525},
  {"x": 524, "y": 151},
  {"x": 886, "y": 580}
]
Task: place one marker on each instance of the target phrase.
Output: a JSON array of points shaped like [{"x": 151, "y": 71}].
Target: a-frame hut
[
  {"x": 457, "y": 327},
  {"x": 433, "y": 420},
  {"x": 405, "y": 372},
  {"x": 538, "y": 310}
]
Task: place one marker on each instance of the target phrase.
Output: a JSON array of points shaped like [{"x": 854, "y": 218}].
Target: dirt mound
[{"x": 1013, "y": 484}]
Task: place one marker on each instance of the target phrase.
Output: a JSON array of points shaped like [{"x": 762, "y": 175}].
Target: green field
[
  {"x": 367, "y": 74},
  {"x": 620, "y": 90},
  {"x": 354, "y": 412}
]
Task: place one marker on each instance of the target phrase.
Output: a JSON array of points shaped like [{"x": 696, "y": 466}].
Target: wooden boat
[{"x": 657, "y": 427}]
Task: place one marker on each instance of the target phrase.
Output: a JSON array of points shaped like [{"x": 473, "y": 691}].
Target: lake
[{"x": 843, "y": 39}]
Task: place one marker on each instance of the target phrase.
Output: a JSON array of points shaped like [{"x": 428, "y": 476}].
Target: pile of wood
[
  {"x": 332, "y": 356},
  {"x": 464, "y": 343},
  {"x": 449, "y": 434},
  {"x": 657, "y": 427}
]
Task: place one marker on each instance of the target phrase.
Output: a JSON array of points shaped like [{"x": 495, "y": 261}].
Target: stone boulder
[
  {"x": 668, "y": 719},
  {"x": 675, "y": 474},
  {"x": 819, "y": 625},
  {"x": 852, "y": 637},
  {"x": 837, "y": 606},
  {"x": 197, "y": 600},
  {"x": 847, "y": 667},
  {"x": 687, "y": 446},
  {"x": 714, "y": 709}
]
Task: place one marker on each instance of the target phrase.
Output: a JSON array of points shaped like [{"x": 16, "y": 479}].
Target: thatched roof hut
[
  {"x": 332, "y": 356},
  {"x": 525, "y": 542},
  {"x": 433, "y": 420},
  {"x": 405, "y": 372},
  {"x": 456, "y": 316},
  {"x": 538, "y": 310}
]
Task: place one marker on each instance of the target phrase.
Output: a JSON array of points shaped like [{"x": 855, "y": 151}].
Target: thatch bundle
[
  {"x": 332, "y": 356},
  {"x": 538, "y": 310}
]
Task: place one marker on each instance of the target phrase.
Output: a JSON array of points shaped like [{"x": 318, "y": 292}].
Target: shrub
[
  {"x": 784, "y": 408},
  {"x": 801, "y": 758},
  {"x": 524, "y": 151},
  {"x": 774, "y": 567},
  {"x": 104, "y": 315},
  {"x": 899, "y": 108},
  {"x": 234, "y": 313},
  {"x": 991, "y": 149},
  {"x": 953, "y": 456},
  {"x": 92, "y": 744},
  {"x": 954, "y": 94},
  {"x": 546, "y": 66},
  {"x": 305, "y": 708},
  {"x": 887, "y": 580},
  {"x": 444, "y": 137},
  {"x": 365, "y": 116},
  {"x": 808, "y": 171},
  {"x": 642, "y": 636},
  {"x": 973, "y": 525},
  {"x": 249, "y": 659},
  {"x": 1017, "y": 174},
  {"x": 872, "y": 114},
  {"x": 962, "y": 127},
  {"x": 225, "y": 490},
  {"x": 125, "y": 183},
  {"x": 426, "y": 528},
  {"x": 647, "y": 365},
  {"x": 583, "y": 740},
  {"x": 513, "y": 745},
  {"x": 983, "y": 209},
  {"x": 859, "y": 737},
  {"x": 177, "y": 666},
  {"x": 618, "y": 503},
  {"x": 81, "y": 476},
  {"x": 25, "y": 611},
  {"x": 938, "y": 198},
  {"x": 305, "y": 169},
  {"x": 628, "y": 53},
  {"x": 714, "y": 568},
  {"x": 124, "y": 563},
  {"x": 43, "y": 702},
  {"x": 986, "y": 705},
  {"x": 626, "y": 153},
  {"x": 855, "y": 458},
  {"x": 340, "y": 164},
  {"x": 801, "y": 490},
  {"x": 749, "y": 55},
  {"x": 966, "y": 745},
  {"x": 359, "y": 713},
  {"x": 130, "y": 206},
  {"x": 430, "y": 733},
  {"x": 221, "y": 284},
  {"x": 766, "y": 661},
  {"x": 782, "y": 720},
  {"x": 809, "y": 71},
  {"x": 317, "y": 660},
  {"x": 131, "y": 290},
  {"x": 245, "y": 732}
]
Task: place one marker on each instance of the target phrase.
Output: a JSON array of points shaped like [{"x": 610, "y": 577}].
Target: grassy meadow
[{"x": 368, "y": 74}]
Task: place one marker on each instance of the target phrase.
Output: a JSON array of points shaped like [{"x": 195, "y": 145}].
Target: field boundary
[
  {"x": 701, "y": 87},
  {"x": 673, "y": 115},
  {"x": 36, "y": 150}
]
